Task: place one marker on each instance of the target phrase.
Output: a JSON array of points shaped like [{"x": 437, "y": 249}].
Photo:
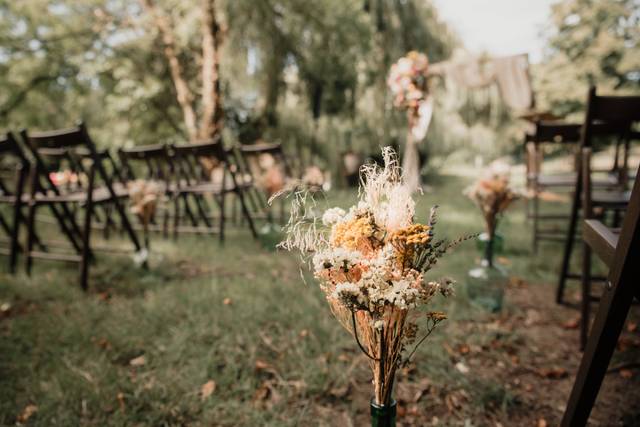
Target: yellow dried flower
[
  {"x": 436, "y": 315},
  {"x": 352, "y": 234},
  {"x": 407, "y": 239}
]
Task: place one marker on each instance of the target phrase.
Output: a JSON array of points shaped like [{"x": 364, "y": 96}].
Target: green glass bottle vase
[
  {"x": 486, "y": 282},
  {"x": 383, "y": 415}
]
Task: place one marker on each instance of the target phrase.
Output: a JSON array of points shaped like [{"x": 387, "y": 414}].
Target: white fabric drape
[{"x": 510, "y": 73}]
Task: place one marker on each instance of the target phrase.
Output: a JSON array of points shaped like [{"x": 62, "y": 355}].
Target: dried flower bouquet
[
  {"x": 371, "y": 262},
  {"x": 493, "y": 195}
]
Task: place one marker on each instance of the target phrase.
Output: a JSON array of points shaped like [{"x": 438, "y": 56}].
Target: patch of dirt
[{"x": 532, "y": 355}]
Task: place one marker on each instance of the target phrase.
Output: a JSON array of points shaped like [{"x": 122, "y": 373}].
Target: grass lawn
[{"x": 231, "y": 335}]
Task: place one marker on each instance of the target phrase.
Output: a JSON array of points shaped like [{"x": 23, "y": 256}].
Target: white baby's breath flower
[
  {"x": 332, "y": 216},
  {"x": 335, "y": 258},
  {"x": 350, "y": 294}
]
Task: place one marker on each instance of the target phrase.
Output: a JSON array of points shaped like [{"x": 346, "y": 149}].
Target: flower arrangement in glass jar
[
  {"x": 372, "y": 262},
  {"x": 493, "y": 195},
  {"x": 144, "y": 197}
]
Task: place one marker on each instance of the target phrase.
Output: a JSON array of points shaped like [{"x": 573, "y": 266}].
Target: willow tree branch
[
  {"x": 184, "y": 95},
  {"x": 211, "y": 96},
  {"x": 18, "y": 98}
]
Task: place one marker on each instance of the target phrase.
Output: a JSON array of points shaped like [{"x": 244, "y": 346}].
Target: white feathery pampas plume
[
  {"x": 385, "y": 191},
  {"x": 301, "y": 230}
]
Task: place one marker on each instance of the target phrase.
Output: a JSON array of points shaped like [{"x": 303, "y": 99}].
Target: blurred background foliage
[{"x": 308, "y": 74}]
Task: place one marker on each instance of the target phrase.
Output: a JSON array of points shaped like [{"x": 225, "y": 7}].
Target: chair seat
[
  {"x": 210, "y": 188},
  {"x": 569, "y": 180},
  {"x": 8, "y": 198},
  {"x": 259, "y": 148},
  {"x": 100, "y": 195},
  {"x": 611, "y": 199}
]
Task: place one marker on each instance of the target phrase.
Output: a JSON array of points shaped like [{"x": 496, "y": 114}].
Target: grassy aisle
[{"x": 238, "y": 324}]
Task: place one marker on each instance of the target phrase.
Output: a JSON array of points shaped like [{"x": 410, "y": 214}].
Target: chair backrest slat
[
  {"x": 60, "y": 138},
  {"x": 554, "y": 132},
  {"x": 154, "y": 158}
]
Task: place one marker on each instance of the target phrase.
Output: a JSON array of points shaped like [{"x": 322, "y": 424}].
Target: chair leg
[
  {"x": 585, "y": 303},
  {"x": 535, "y": 207},
  {"x": 223, "y": 196},
  {"x": 200, "y": 206},
  {"x": 84, "y": 267},
  {"x": 612, "y": 313},
  {"x": 568, "y": 248},
  {"x": 176, "y": 216},
  {"x": 30, "y": 237},
  {"x": 246, "y": 215},
  {"x": 86, "y": 256},
  {"x": 165, "y": 222},
  {"x": 15, "y": 246}
]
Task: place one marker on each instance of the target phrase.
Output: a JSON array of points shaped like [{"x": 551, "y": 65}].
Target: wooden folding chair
[
  {"x": 557, "y": 134},
  {"x": 606, "y": 116},
  {"x": 192, "y": 181},
  {"x": 152, "y": 163},
  {"x": 620, "y": 251},
  {"x": 73, "y": 147},
  {"x": 545, "y": 134},
  {"x": 16, "y": 166}
]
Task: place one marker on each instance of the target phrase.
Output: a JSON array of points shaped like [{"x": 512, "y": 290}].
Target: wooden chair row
[
  {"x": 617, "y": 247},
  {"x": 26, "y": 184}
]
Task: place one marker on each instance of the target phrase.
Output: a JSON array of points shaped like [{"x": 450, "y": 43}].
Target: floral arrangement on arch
[
  {"x": 408, "y": 84},
  {"x": 371, "y": 262},
  {"x": 407, "y": 81},
  {"x": 493, "y": 195}
]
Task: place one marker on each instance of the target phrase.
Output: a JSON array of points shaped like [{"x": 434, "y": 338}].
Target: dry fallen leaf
[
  {"x": 266, "y": 395},
  {"x": 553, "y": 373},
  {"x": 207, "y": 389},
  {"x": 138, "y": 361},
  {"x": 571, "y": 323},
  {"x": 120, "y": 397},
  {"x": 503, "y": 260},
  {"x": 227, "y": 301},
  {"x": 104, "y": 344},
  {"x": 464, "y": 349},
  {"x": 27, "y": 412},
  {"x": 340, "y": 392},
  {"x": 542, "y": 422},
  {"x": 517, "y": 282},
  {"x": 626, "y": 373},
  {"x": 261, "y": 365}
]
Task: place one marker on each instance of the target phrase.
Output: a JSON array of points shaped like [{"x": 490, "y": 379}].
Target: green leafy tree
[{"x": 591, "y": 42}]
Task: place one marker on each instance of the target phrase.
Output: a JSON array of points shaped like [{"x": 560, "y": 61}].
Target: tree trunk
[
  {"x": 184, "y": 95},
  {"x": 212, "y": 114}
]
